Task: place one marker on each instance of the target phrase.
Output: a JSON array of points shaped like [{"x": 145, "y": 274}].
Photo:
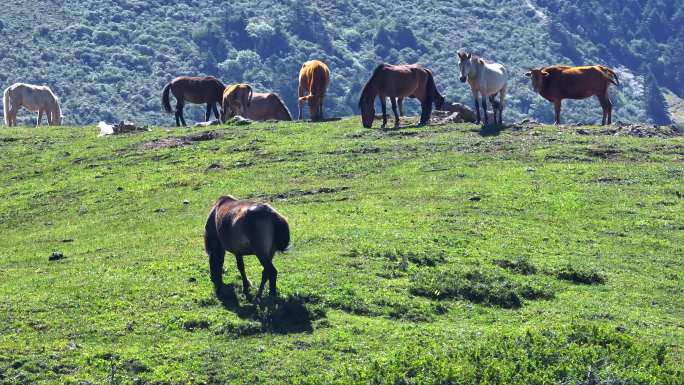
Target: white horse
[
  {"x": 485, "y": 80},
  {"x": 33, "y": 98}
]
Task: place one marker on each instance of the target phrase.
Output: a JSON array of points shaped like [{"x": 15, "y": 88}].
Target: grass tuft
[
  {"x": 581, "y": 275},
  {"x": 519, "y": 265},
  {"x": 477, "y": 286}
]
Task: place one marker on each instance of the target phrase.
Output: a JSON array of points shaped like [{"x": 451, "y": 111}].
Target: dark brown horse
[
  {"x": 399, "y": 81},
  {"x": 244, "y": 228},
  {"x": 197, "y": 90}
]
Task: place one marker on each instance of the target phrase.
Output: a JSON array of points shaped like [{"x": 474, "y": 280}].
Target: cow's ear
[{"x": 528, "y": 74}]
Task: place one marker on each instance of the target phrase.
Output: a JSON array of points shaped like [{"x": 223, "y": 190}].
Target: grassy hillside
[
  {"x": 109, "y": 60},
  {"x": 421, "y": 256}
]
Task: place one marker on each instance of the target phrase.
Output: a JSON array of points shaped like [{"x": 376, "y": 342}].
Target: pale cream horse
[
  {"x": 33, "y": 98},
  {"x": 485, "y": 80}
]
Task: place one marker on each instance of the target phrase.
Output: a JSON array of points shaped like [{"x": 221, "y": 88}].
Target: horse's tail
[
  {"x": 430, "y": 91},
  {"x": 214, "y": 249},
  {"x": 166, "y": 102},
  {"x": 281, "y": 231},
  {"x": 610, "y": 75},
  {"x": 7, "y": 104}
]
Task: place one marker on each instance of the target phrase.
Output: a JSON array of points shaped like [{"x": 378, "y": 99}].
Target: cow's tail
[
  {"x": 166, "y": 102},
  {"x": 611, "y": 75},
  {"x": 7, "y": 105}
]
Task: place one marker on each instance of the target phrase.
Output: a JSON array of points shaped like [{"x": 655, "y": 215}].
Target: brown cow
[
  {"x": 314, "y": 78},
  {"x": 559, "y": 82}
]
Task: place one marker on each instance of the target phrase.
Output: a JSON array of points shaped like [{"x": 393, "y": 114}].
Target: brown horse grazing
[
  {"x": 244, "y": 228},
  {"x": 559, "y": 82},
  {"x": 399, "y": 81},
  {"x": 197, "y": 90},
  {"x": 267, "y": 106},
  {"x": 314, "y": 79},
  {"x": 236, "y": 99}
]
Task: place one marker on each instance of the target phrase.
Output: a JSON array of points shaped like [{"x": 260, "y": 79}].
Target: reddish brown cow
[{"x": 559, "y": 82}]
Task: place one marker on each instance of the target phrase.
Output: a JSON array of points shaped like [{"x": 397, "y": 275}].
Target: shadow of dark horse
[
  {"x": 281, "y": 315},
  {"x": 491, "y": 129}
]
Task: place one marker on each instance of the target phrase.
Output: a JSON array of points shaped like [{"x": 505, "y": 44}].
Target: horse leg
[
  {"x": 265, "y": 273},
  {"x": 502, "y": 100},
  {"x": 272, "y": 291},
  {"x": 484, "y": 110},
  {"x": 477, "y": 107},
  {"x": 400, "y": 101},
  {"x": 396, "y": 113},
  {"x": 179, "y": 113},
  {"x": 246, "y": 284},
  {"x": 216, "y": 113},
  {"x": 495, "y": 106},
  {"x": 383, "y": 104},
  {"x": 557, "y": 111},
  {"x": 40, "y": 117},
  {"x": 208, "y": 114},
  {"x": 320, "y": 108},
  {"x": 607, "y": 106}
]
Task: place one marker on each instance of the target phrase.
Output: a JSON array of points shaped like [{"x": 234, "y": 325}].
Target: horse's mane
[
  {"x": 224, "y": 198},
  {"x": 282, "y": 104},
  {"x": 366, "y": 87}
]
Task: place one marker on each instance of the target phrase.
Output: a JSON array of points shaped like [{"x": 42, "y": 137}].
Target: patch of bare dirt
[
  {"x": 178, "y": 141},
  {"x": 300, "y": 193}
]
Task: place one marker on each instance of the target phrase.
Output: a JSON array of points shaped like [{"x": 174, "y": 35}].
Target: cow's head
[{"x": 537, "y": 76}]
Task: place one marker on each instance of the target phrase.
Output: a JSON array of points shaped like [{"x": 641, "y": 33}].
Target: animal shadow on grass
[
  {"x": 282, "y": 315},
  {"x": 492, "y": 129}
]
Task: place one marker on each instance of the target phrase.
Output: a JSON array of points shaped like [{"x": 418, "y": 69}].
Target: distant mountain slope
[{"x": 109, "y": 60}]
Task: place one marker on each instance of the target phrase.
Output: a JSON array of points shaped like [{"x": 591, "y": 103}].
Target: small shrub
[
  {"x": 581, "y": 275},
  {"x": 409, "y": 311},
  {"x": 519, "y": 265},
  {"x": 240, "y": 329},
  {"x": 477, "y": 286},
  {"x": 417, "y": 257}
]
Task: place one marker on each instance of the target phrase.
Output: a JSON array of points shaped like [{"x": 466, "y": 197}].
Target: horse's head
[
  {"x": 367, "y": 107},
  {"x": 464, "y": 64},
  {"x": 537, "y": 76}
]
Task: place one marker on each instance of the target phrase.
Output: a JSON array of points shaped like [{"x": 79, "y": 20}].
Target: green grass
[{"x": 420, "y": 256}]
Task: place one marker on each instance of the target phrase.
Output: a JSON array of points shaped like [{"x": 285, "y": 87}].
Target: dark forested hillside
[{"x": 109, "y": 60}]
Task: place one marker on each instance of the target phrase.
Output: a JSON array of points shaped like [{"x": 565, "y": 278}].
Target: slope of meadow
[{"x": 442, "y": 254}]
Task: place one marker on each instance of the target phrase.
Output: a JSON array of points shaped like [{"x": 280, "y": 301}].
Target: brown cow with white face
[{"x": 559, "y": 82}]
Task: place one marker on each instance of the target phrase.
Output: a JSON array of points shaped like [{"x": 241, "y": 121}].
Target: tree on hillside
[{"x": 656, "y": 106}]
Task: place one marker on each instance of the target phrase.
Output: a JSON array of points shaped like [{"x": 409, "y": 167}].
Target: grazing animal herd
[
  {"x": 396, "y": 82},
  {"x": 251, "y": 228}
]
